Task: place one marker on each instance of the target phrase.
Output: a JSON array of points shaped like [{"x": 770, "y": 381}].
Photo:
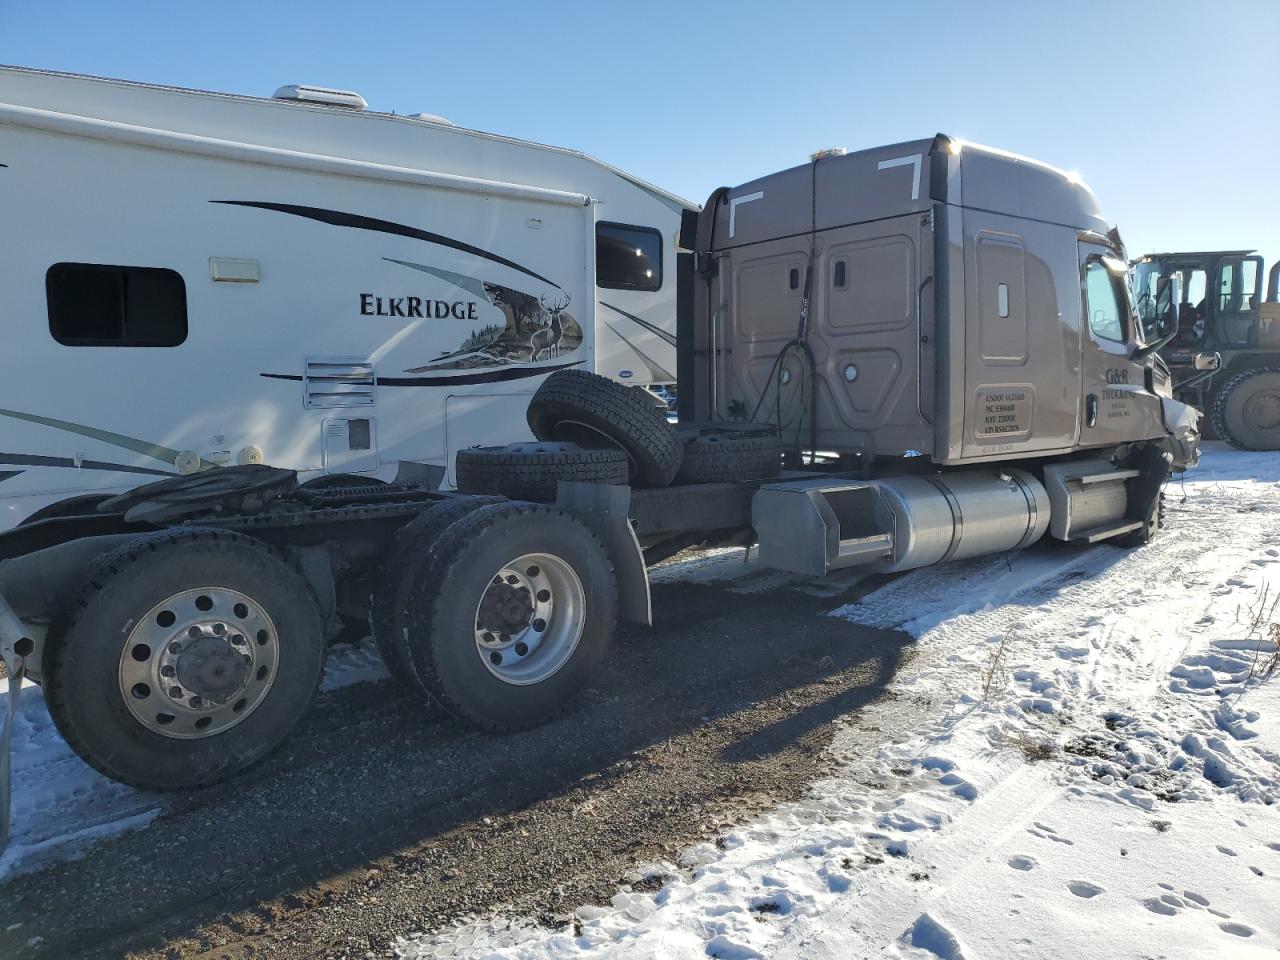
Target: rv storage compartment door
[{"x": 350, "y": 446}]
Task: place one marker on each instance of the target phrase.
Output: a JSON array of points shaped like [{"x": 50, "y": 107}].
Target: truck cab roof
[{"x": 902, "y": 178}]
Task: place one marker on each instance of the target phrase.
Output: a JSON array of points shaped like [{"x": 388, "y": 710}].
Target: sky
[{"x": 1169, "y": 109}]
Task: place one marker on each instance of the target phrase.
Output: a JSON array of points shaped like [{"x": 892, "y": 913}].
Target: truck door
[
  {"x": 1022, "y": 338},
  {"x": 1118, "y": 401}
]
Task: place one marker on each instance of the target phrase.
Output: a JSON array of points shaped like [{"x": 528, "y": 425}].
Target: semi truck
[{"x": 890, "y": 358}]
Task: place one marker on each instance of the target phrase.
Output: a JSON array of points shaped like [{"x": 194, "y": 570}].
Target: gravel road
[{"x": 378, "y": 818}]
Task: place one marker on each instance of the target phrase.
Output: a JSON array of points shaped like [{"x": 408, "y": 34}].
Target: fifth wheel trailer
[
  {"x": 195, "y": 279},
  {"x": 942, "y": 334}
]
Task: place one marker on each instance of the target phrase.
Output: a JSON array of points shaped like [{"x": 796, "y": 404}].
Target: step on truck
[{"x": 890, "y": 358}]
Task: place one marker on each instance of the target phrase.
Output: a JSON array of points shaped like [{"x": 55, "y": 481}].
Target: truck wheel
[
  {"x": 575, "y": 406},
  {"x": 720, "y": 452},
  {"x": 188, "y": 656},
  {"x": 515, "y": 613},
  {"x": 409, "y": 555},
  {"x": 530, "y": 471},
  {"x": 1246, "y": 410}
]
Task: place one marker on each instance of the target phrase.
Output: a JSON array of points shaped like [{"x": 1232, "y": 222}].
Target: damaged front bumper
[{"x": 1183, "y": 423}]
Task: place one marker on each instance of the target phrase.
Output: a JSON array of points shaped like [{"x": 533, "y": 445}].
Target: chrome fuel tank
[
  {"x": 956, "y": 515},
  {"x": 813, "y": 525}
]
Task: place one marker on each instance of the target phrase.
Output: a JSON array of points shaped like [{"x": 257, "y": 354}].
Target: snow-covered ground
[
  {"x": 1095, "y": 771},
  {"x": 1089, "y": 769}
]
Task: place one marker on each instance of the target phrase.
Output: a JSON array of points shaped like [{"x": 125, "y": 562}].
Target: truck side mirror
[
  {"x": 1207, "y": 361},
  {"x": 1167, "y": 314}
]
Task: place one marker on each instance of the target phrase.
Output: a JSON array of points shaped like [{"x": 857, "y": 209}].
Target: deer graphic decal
[{"x": 545, "y": 343}]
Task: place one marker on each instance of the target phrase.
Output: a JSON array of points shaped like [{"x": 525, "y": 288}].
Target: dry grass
[
  {"x": 1264, "y": 630},
  {"x": 995, "y": 674},
  {"x": 1034, "y": 749},
  {"x": 1272, "y": 663}
]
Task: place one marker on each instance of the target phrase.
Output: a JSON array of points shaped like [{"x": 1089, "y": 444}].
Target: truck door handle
[{"x": 1091, "y": 410}]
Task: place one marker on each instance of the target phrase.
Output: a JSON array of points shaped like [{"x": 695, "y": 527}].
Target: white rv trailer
[{"x": 191, "y": 279}]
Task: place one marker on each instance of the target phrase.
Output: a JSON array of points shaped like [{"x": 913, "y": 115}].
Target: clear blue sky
[{"x": 1162, "y": 106}]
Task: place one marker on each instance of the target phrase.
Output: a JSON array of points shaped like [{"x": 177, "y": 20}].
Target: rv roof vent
[
  {"x": 308, "y": 94},
  {"x": 827, "y": 152},
  {"x": 431, "y": 118}
]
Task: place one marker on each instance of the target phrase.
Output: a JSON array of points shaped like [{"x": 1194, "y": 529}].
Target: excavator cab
[{"x": 1225, "y": 357}]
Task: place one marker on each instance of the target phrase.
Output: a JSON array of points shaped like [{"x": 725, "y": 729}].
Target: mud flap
[
  {"x": 606, "y": 510},
  {"x": 12, "y": 638}
]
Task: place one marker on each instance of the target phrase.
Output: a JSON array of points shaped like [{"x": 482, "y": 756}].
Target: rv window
[
  {"x": 628, "y": 258},
  {"x": 94, "y": 305},
  {"x": 1102, "y": 303}
]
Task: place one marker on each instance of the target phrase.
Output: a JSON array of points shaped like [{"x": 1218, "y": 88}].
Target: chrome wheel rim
[
  {"x": 198, "y": 663},
  {"x": 530, "y": 618}
]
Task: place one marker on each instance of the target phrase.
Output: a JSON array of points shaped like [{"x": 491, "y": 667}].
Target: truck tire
[
  {"x": 410, "y": 553},
  {"x": 188, "y": 656},
  {"x": 530, "y": 471},
  {"x": 575, "y": 406},
  {"x": 513, "y": 616},
  {"x": 721, "y": 452},
  {"x": 1246, "y": 410}
]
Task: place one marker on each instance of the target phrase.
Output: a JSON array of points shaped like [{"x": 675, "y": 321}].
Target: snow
[
  {"x": 1083, "y": 761},
  {"x": 1115, "y": 792}
]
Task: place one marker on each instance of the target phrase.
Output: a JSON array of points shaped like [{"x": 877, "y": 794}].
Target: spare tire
[
  {"x": 530, "y": 471},
  {"x": 721, "y": 452},
  {"x": 575, "y": 406}
]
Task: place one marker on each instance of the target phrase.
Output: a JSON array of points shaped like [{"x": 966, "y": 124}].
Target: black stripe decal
[
  {"x": 6, "y": 474},
  {"x": 488, "y": 376},
  {"x": 37, "y": 461},
  {"x": 656, "y": 370},
  {"x": 655, "y": 330},
  {"x": 339, "y": 219}
]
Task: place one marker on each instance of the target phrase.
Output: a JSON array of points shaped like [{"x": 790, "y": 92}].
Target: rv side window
[
  {"x": 1102, "y": 303},
  {"x": 628, "y": 258},
  {"x": 94, "y": 305}
]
